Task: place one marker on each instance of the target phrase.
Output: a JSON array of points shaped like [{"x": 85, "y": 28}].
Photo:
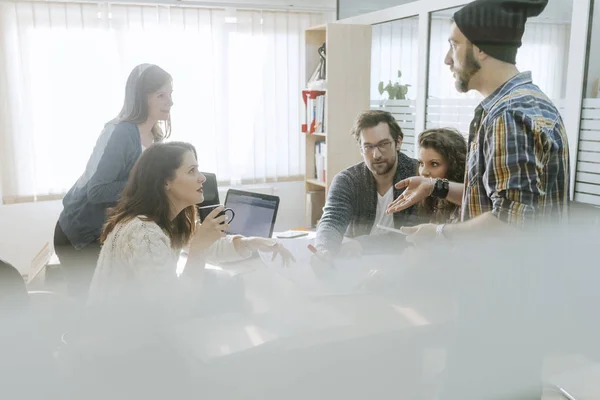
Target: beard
[
  {"x": 383, "y": 166},
  {"x": 465, "y": 73}
]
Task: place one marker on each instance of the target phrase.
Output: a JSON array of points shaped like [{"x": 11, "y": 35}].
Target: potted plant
[{"x": 395, "y": 91}]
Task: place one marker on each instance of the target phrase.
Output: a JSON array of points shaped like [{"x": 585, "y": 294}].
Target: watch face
[{"x": 441, "y": 188}]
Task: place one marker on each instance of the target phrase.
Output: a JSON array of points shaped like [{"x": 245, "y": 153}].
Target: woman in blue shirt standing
[{"x": 148, "y": 101}]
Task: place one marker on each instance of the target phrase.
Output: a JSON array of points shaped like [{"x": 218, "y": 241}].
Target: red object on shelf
[{"x": 312, "y": 94}]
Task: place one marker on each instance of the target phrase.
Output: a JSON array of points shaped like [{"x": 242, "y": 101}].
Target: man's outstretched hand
[{"x": 417, "y": 189}]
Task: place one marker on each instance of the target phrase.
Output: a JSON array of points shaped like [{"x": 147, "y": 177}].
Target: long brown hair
[
  {"x": 145, "y": 193},
  {"x": 451, "y": 145},
  {"x": 149, "y": 79}
]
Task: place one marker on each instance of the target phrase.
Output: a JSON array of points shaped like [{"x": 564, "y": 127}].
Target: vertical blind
[{"x": 237, "y": 81}]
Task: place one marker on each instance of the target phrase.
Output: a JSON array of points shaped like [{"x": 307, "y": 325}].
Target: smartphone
[
  {"x": 387, "y": 228},
  {"x": 291, "y": 234}
]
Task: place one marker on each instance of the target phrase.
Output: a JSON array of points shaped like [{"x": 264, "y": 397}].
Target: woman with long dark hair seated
[
  {"x": 154, "y": 220},
  {"x": 136, "y": 296}
]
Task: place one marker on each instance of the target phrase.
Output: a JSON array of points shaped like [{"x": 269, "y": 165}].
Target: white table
[
  {"x": 279, "y": 320},
  {"x": 283, "y": 339}
]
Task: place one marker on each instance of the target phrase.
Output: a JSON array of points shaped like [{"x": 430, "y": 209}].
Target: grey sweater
[{"x": 351, "y": 204}]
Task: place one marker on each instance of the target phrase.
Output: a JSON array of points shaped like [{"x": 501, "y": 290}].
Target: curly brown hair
[{"x": 452, "y": 146}]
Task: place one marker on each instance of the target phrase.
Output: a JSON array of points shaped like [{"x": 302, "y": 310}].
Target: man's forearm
[
  {"x": 455, "y": 194},
  {"x": 485, "y": 223},
  {"x": 329, "y": 238}
]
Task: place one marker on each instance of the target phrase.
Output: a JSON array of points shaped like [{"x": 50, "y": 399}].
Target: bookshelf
[{"x": 344, "y": 95}]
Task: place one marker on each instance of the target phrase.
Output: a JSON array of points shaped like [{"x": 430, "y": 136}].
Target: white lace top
[{"x": 137, "y": 259}]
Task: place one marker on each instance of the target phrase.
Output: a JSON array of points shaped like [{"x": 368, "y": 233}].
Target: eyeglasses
[{"x": 383, "y": 147}]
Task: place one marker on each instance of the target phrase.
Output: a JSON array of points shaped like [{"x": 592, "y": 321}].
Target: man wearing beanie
[
  {"x": 518, "y": 157},
  {"x": 517, "y": 177}
]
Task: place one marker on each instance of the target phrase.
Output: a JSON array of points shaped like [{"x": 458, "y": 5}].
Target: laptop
[
  {"x": 211, "y": 194},
  {"x": 255, "y": 213}
]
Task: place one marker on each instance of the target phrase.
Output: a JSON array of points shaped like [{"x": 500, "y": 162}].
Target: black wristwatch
[{"x": 441, "y": 187}]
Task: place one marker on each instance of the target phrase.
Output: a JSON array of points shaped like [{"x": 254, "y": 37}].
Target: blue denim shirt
[{"x": 99, "y": 188}]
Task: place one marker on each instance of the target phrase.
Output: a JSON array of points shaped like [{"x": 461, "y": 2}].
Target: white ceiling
[
  {"x": 351, "y": 8},
  {"x": 320, "y": 5},
  {"x": 556, "y": 11},
  {"x": 327, "y": 6}
]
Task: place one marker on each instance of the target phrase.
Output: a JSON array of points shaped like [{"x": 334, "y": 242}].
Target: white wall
[
  {"x": 291, "y": 202},
  {"x": 26, "y": 227}
]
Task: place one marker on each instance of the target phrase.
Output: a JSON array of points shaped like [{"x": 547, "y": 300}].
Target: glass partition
[
  {"x": 587, "y": 174},
  {"x": 545, "y": 52},
  {"x": 394, "y": 68}
]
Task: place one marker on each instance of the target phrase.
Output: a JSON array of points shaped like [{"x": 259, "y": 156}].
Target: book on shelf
[
  {"x": 321, "y": 161},
  {"x": 314, "y": 111}
]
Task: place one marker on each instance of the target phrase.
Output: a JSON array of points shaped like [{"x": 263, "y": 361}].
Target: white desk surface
[{"x": 278, "y": 314}]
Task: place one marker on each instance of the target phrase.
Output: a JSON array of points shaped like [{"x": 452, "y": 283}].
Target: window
[
  {"x": 394, "y": 62},
  {"x": 236, "y": 87}
]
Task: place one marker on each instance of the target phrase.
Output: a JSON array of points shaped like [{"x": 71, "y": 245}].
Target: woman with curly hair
[{"x": 442, "y": 154}]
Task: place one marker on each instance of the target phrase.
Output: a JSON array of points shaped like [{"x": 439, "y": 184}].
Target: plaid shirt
[{"x": 518, "y": 159}]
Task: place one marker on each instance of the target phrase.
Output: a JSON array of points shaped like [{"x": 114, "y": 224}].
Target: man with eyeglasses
[{"x": 359, "y": 195}]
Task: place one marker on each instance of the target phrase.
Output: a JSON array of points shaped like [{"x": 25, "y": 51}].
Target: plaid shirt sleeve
[{"x": 511, "y": 178}]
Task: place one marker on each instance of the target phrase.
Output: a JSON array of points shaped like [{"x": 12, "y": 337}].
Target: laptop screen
[{"x": 255, "y": 213}]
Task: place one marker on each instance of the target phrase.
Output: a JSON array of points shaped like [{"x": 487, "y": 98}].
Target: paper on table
[
  {"x": 298, "y": 247},
  {"x": 345, "y": 278}
]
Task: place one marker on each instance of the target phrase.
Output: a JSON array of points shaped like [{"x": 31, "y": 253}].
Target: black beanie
[{"x": 496, "y": 26}]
